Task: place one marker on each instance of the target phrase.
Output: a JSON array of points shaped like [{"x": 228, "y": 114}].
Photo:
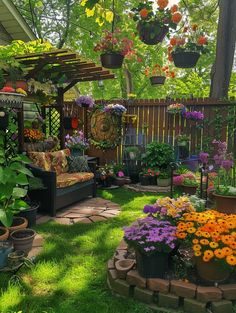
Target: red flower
[
  {"x": 176, "y": 17},
  {"x": 8, "y": 89},
  {"x": 174, "y": 8},
  {"x": 144, "y": 13},
  {"x": 202, "y": 40}
]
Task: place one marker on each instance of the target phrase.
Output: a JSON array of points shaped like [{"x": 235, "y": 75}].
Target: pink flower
[
  {"x": 178, "y": 180},
  {"x": 120, "y": 174}
]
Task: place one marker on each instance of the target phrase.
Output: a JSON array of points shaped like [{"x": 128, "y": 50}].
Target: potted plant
[
  {"x": 23, "y": 239},
  {"x": 148, "y": 176},
  {"x": 175, "y": 108},
  {"x": 194, "y": 116},
  {"x": 158, "y": 155},
  {"x": 14, "y": 180},
  {"x": 224, "y": 183},
  {"x": 158, "y": 74},
  {"x": 154, "y": 25},
  {"x": 190, "y": 186},
  {"x": 114, "y": 48},
  {"x": 152, "y": 241},
  {"x": 106, "y": 175},
  {"x": 76, "y": 142},
  {"x": 186, "y": 50},
  {"x": 132, "y": 152},
  {"x": 164, "y": 178},
  {"x": 120, "y": 178},
  {"x": 210, "y": 234},
  {"x": 85, "y": 102},
  {"x": 182, "y": 140}
]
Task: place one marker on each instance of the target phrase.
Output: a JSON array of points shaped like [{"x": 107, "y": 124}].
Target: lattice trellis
[
  {"x": 11, "y": 137},
  {"x": 52, "y": 117}
]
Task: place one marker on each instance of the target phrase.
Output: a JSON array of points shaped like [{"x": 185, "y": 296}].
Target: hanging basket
[
  {"x": 157, "y": 80},
  {"x": 152, "y": 33},
  {"x": 4, "y": 120},
  {"x": 185, "y": 59},
  {"x": 10, "y": 99},
  {"x": 112, "y": 60},
  {"x": 17, "y": 84}
]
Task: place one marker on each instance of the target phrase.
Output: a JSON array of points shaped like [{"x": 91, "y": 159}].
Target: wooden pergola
[{"x": 66, "y": 64}]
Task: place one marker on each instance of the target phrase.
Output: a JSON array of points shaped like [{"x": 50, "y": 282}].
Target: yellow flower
[
  {"x": 214, "y": 245},
  {"x": 197, "y": 253},
  {"x": 191, "y": 230},
  {"x": 204, "y": 242},
  {"x": 197, "y": 247}
]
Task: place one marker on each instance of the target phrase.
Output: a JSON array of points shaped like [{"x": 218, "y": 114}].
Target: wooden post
[
  {"x": 60, "y": 100},
  {"x": 20, "y": 121}
]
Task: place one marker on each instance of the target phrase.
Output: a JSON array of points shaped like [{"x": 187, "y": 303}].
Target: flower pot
[
  {"x": 23, "y": 239},
  {"x": 225, "y": 204},
  {"x": 15, "y": 258},
  {"x": 120, "y": 181},
  {"x": 163, "y": 182},
  {"x": 18, "y": 223},
  {"x": 76, "y": 152},
  {"x": 144, "y": 180},
  {"x": 4, "y": 120},
  {"x": 112, "y": 60},
  {"x": 17, "y": 84},
  {"x": 153, "y": 180},
  {"x": 4, "y": 233},
  {"x": 5, "y": 248},
  {"x": 127, "y": 180},
  {"x": 123, "y": 267},
  {"x": 152, "y": 33},
  {"x": 153, "y": 266},
  {"x": 157, "y": 80},
  {"x": 67, "y": 122},
  {"x": 30, "y": 214},
  {"x": 212, "y": 271},
  {"x": 190, "y": 190},
  {"x": 182, "y": 143},
  {"x": 185, "y": 59}
]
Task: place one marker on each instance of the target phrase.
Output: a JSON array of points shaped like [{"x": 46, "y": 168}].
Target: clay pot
[
  {"x": 211, "y": 271},
  {"x": 4, "y": 233},
  {"x": 120, "y": 181},
  {"x": 18, "y": 223},
  {"x": 225, "y": 204},
  {"x": 190, "y": 190},
  {"x": 123, "y": 267},
  {"x": 23, "y": 239}
]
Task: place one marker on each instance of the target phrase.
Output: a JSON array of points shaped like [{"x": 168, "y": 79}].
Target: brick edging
[{"x": 174, "y": 294}]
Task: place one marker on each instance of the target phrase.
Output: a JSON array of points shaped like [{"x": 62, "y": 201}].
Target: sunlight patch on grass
[{"x": 10, "y": 298}]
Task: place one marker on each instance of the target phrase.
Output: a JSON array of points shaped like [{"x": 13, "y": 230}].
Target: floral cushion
[
  {"x": 59, "y": 162},
  {"x": 41, "y": 160},
  {"x": 69, "y": 179}
]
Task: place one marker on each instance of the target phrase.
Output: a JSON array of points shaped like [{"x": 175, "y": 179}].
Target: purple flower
[
  {"x": 203, "y": 156},
  {"x": 193, "y": 115},
  {"x": 85, "y": 101},
  {"x": 227, "y": 164}
]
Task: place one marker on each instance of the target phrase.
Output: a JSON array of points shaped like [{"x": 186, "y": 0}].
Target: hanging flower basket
[
  {"x": 11, "y": 99},
  {"x": 4, "y": 121},
  {"x": 112, "y": 60},
  {"x": 17, "y": 84},
  {"x": 152, "y": 33},
  {"x": 157, "y": 80},
  {"x": 185, "y": 59}
]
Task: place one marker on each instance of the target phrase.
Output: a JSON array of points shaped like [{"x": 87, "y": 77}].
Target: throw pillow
[{"x": 77, "y": 164}]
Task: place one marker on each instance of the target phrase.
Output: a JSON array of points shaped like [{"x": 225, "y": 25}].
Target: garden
[{"x": 117, "y": 158}]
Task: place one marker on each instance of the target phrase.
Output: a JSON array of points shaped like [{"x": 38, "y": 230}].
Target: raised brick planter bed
[{"x": 174, "y": 294}]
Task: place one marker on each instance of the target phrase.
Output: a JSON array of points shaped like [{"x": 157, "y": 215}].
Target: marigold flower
[
  {"x": 227, "y": 251},
  {"x": 214, "y": 245},
  {"x": 219, "y": 253},
  {"x": 197, "y": 253},
  {"x": 195, "y": 241},
  {"x": 206, "y": 258},
  {"x": 209, "y": 254},
  {"x": 162, "y": 4},
  {"x": 231, "y": 260},
  {"x": 204, "y": 242},
  {"x": 144, "y": 13},
  {"x": 202, "y": 40},
  {"x": 181, "y": 235},
  {"x": 174, "y": 8},
  {"x": 191, "y": 230},
  {"x": 176, "y": 17},
  {"x": 197, "y": 247}
]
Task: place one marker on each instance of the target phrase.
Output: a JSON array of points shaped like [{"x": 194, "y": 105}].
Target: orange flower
[
  {"x": 181, "y": 235},
  {"x": 162, "y": 4},
  {"x": 196, "y": 247},
  {"x": 195, "y": 241},
  {"x": 174, "y": 8},
  {"x": 204, "y": 242},
  {"x": 227, "y": 251},
  {"x": 197, "y": 253},
  {"x": 144, "y": 13},
  {"x": 202, "y": 40},
  {"x": 206, "y": 258},
  {"x": 191, "y": 230},
  {"x": 173, "y": 41},
  {"x": 219, "y": 253},
  {"x": 214, "y": 245},
  {"x": 170, "y": 58},
  {"x": 231, "y": 260},
  {"x": 194, "y": 27},
  {"x": 209, "y": 254},
  {"x": 176, "y": 17},
  {"x": 172, "y": 74}
]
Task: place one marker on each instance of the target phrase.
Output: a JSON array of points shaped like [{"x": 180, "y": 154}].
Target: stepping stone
[
  {"x": 74, "y": 215},
  {"x": 38, "y": 241},
  {"x": 113, "y": 212},
  {"x": 62, "y": 220},
  {"x": 84, "y": 220},
  {"x": 107, "y": 215},
  {"x": 43, "y": 219},
  {"x": 97, "y": 218}
]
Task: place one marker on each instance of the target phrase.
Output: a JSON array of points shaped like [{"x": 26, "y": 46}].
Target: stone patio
[{"x": 88, "y": 211}]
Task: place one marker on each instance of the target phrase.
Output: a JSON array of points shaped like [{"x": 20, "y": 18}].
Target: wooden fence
[{"x": 154, "y": 123}]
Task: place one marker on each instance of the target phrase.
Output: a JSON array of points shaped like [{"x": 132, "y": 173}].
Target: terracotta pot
[
  {"x": 112, "y": 60},
  {"x": 212, "y": 271},
  {"x": 120, "y": 181},
  {"x": 152, "y": 33},
  {"x": 123, "y": 266},
  {"x": 185, "y": 59},
  {"x": 127, "y": 180},
  {"x": 23, "y": 239},
  {"x": 190, "y": 190},
  {"x": 163, "y": 182},
  {"x": 18, "y": 223},
  {"x": 225, "y": 204},
  {"x": 157, "y": 80},
  {"x": 4, "y": 233},
  {"x": 17, "y": 84}
]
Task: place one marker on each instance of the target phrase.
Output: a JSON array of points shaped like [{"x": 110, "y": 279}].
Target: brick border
[{"x": 174, "y": 294}]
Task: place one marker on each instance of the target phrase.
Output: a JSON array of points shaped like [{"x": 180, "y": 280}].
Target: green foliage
[
  {"x": 158, "y": 155},
  {"x": 190, "y": 182},
  {"x": 13, "y": 182}
]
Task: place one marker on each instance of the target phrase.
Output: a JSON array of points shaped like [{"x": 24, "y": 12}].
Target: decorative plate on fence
[{"x": 105, "y": 130}]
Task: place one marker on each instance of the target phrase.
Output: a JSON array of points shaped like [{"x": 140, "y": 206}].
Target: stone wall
[{"x": 163, "y": 294}]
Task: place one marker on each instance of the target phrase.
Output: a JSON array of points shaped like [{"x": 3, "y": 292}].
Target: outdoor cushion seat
[{"x": 69, "y": 179}]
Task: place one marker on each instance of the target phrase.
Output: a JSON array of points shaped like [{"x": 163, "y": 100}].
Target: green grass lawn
[{"x": 70, "y": 273}]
